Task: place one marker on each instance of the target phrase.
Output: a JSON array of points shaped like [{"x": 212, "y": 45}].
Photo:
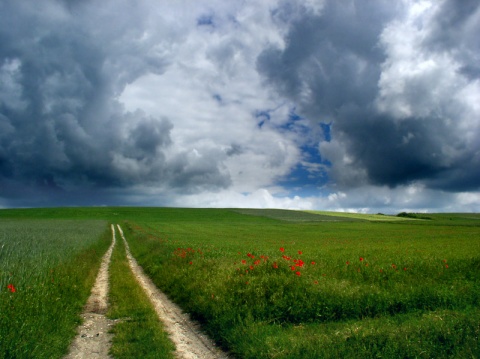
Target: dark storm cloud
[
  {"x": 62, "y": 129},
  {"x": 332, "y": 66}
]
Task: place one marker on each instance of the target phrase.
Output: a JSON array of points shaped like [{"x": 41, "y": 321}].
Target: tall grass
[
  {"x": 47, "y": 269},
  {"x": 267, "y": 288}
]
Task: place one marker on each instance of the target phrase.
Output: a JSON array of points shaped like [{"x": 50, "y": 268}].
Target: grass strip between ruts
[{"x": 139, "y": 334}]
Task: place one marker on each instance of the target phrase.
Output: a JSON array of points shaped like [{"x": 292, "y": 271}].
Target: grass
[
  {"x": 402, "y": 288},
  {"x": 46, "y": 271},
  {"x": 360, "y": 216},
  {"x": 139, "y": 334},
  {"x": 392, "y": 289}
]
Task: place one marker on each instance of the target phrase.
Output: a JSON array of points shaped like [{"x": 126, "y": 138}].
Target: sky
[{"x": 347, "y": 105}]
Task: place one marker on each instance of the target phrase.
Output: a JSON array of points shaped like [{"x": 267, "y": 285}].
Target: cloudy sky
[{"x": 369, "y": 105}]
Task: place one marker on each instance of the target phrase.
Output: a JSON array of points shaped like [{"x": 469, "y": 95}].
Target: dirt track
[
  {"x": 93, "y": 340},
  {"x": 190, "y": 343},
  {"x": 93, "y": 337}
]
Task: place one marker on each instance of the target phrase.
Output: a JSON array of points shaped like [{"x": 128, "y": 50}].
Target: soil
[
  {"x": 93, "y": 339},
  {"x": 189, "y": 341}
]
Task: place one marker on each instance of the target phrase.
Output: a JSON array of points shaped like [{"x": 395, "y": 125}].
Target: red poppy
[
  {"x": 300, "y": 263},
  {"x": 300, "y": 252},
  {"x": 244, "y": 261},
  {"x": 11, "y": 288},
  {"x": 257, "y": 262},
  {"x": 313, "y": 263},
  {"x": 282, "y": 249},
  {"x": 252, "y": 267},
  {"x": 315, "y": 282},
  {"x": 446, "y": 265},
  {"x": 298, "y": 274},
  {"x": 361, "y": 259},
  {"x": 293, "y": 268},
  {"x": 275, "y": 265},
  {"x": 190, "y": 262},
  {"x": 348, "y": 263},
  {"x": 394, "y": 266}
]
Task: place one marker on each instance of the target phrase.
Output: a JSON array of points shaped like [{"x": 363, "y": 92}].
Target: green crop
[{"x": 46, "y": 271}]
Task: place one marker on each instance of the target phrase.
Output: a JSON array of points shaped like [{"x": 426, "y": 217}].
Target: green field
[
  {"x": 284, "y": 284},
  {"x": 47, "y": 268}
]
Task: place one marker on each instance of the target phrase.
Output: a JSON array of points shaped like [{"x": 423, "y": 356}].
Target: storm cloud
[
  {"x": 325, "y": 104},
  {"x": 62, "y": 128},
  {"x": 397, "y": 83}
]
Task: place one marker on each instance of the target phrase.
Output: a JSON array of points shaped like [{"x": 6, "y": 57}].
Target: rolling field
[{"x": 284, "y": 284}]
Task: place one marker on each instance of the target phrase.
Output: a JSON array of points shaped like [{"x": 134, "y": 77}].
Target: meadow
[
  {"x": 284, "y": 284},
  {"x": 272, "y": 288}
]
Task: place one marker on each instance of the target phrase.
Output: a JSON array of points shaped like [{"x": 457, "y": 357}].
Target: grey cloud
[
  {"x": 331, "y": 67},
  {"x": 63, "y": 132},
  {"x": 194, "y": 172}
]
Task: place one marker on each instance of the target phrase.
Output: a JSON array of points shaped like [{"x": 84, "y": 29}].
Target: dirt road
[
  {"x": 93, "y": 340},
  {"x": 189, "y": 341}
]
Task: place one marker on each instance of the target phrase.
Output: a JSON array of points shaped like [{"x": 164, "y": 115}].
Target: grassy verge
[
  {"x": 139, "y": 334},
  {"x": 266, "y": 288},
  {"x": 47, "y": 269}
]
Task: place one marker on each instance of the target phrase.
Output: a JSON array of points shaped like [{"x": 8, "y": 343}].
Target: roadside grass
[
  {"x": 266, "y": 288},
  {"x": 47, "y": 269},
  {"x": 139, "y": 333}
]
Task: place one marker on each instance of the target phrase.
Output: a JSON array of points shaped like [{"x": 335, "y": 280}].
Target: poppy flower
[
  {"x": 298, "y": 274},
  {"x": 313, "y": 263},
  {"x": 293, "y": 268},
  {"x": 361, "y": 259},
  {"x": 11, "y": 288},
  {"x": 275, "y": 265},
  {"x": 244, "y": 261},
  {"x": 347, "y": 263},
  {"x": 300, "y": 252},
  {"x": 446, "y": 266},
  {"x": 282, "y": 249}
]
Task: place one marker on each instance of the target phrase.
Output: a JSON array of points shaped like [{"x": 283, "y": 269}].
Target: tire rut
[
  {"x": 189, "y": 341},
  {"x": 93, "y": 339}
]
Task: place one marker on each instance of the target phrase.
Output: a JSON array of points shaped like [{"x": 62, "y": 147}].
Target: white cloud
[{"x": 211, "y": 92}]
